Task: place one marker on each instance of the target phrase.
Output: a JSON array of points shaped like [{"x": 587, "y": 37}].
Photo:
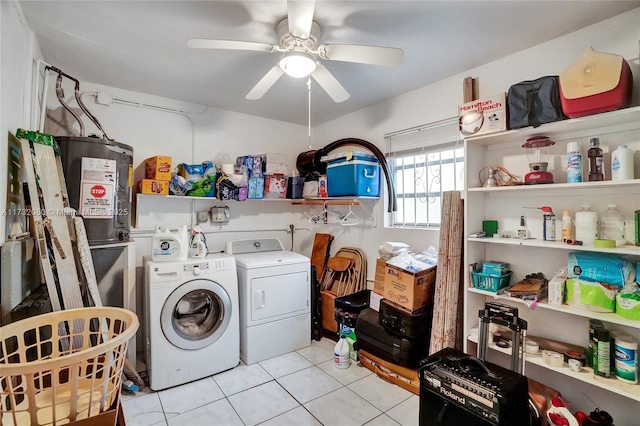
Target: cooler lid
[{"x": 348, "y": 156}]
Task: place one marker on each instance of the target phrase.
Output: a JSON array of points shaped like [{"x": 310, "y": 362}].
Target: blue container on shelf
[
  {"x": 353, "y": 174},
  {"x": 488, "y": 282}
]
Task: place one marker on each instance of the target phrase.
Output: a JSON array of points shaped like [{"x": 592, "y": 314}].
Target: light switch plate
[{"x": 202, "y": 217}]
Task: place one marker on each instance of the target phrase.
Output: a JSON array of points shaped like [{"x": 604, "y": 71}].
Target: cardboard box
[
  {"x": 483, "y": 116},
  {"x": 155, "y": 187},
  {"x": 275, "y": 186},
  {"x": 495, "y": 269},
  {"x": 381, "y": 269},
  {"x": 409, "y": 290},
  {"x": 274, "y": 163},
  {"x": 157, "y": 168}
]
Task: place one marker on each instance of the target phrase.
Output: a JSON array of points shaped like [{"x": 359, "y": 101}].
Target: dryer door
[{"x": 196, "y": 314}]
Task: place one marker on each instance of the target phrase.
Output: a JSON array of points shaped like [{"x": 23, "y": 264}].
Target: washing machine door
[{"x": 196, "y": 314}]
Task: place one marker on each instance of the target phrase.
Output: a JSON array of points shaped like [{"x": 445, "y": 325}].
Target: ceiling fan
[{"x": 298, "y": 36}]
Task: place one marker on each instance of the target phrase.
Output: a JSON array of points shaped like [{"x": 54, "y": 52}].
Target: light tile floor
[{"x": 299, "y": 388}]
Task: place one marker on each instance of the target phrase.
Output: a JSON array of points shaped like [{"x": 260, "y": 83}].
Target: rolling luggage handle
[{"x": 505, "y": 315}]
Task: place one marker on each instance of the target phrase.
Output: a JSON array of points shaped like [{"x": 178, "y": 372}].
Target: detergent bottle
[
  {"x": 170, "y": 243},
  {"x": 341, "y": 358},
  {"x": 197, "y": 244}
]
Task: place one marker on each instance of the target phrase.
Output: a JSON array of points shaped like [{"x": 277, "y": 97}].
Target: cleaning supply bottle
[
  {"x": 596, "y": 165},
  {"x": 613, "y": 225},
  {"x": 603, "y": 353},
  {"x": 523, "y": 232},
  {"x": 574, "y": 163},
  {"x": 622, "y": 163},
  {"x": 197, "y": 244},
  {"x": 592, "y": 356},
  {"x": 549, "y": 227},
  {"x": 341, "y": 358},
  {"x": 567, "y": 226},
  {"x": 586, "y": 225}
]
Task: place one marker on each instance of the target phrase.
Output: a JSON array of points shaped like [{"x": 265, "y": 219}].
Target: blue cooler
[{"x": 353, "y": 174}]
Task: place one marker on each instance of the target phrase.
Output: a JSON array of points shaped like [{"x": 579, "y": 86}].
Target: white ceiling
[{"x": 141, "y": 45}]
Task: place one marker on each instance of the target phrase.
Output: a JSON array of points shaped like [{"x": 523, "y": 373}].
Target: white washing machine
[
  {"x": 192, "y": 319},
  {"x": 275, "y": 298}
]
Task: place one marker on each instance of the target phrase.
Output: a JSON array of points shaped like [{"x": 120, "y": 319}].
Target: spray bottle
[{"x": 549, "y": 224}]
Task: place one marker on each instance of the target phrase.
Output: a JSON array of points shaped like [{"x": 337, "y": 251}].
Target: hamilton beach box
[
  {"x": 483, "y": 116},
  {"x": 353, "y": 174}
]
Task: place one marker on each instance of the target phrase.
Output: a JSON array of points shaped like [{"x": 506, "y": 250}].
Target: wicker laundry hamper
[{"x": 63, "y": 366}]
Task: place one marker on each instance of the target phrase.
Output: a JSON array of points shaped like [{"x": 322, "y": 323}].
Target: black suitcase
[
  {"x": 373, "y": 338},
  {"x": 404, "y": 324},
  {"x": 347, "y": 308}
]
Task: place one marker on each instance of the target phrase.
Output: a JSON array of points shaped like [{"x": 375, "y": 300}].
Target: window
[{"x": 424, "y": 161}]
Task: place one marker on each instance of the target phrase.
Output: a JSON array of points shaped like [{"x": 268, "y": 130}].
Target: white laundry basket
[{"x": 63, "y": 366}]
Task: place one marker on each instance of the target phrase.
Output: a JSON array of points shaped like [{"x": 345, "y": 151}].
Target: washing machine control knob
[{"x": 196, "y": 269}]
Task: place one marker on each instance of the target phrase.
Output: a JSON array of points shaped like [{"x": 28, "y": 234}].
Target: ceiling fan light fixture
[{"x": 297, "y": 64}]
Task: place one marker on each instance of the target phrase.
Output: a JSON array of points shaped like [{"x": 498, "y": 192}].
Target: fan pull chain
[{"x": 309, "y": 108}]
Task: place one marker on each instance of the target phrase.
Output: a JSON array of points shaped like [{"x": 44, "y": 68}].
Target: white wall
[
  {"x": 440, "y": 100},
  {"x": 18, "y": 50}
]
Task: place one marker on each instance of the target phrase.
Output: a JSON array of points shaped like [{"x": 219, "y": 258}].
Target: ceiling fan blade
[
  {"x": 374, "y": 55},
  {"x": 328, "y": 82},
  {"x": 300, "y": 17},
  {"x": 203, "y": 43},
  {"x": 265, "y": 83}
]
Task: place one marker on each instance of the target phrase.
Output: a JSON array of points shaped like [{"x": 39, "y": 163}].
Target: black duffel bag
[{"x": 534, "y": 102}]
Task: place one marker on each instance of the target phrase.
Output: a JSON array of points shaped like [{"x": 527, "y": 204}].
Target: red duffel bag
[{"x": 597, "y": 82}]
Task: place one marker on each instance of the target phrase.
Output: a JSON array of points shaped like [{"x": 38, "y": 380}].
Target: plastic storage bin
[
  {"x": 490, "y": 283},
  {"x": 353, "y": 175},
  {"x": 347, "y": 308},
  {"x": 63, "y": 366}
]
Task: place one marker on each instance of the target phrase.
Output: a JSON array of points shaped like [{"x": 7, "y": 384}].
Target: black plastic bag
[{"x": 534, "y": 102}]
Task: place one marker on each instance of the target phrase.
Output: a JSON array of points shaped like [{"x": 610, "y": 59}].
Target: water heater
[{"x": 99, "y": 177}]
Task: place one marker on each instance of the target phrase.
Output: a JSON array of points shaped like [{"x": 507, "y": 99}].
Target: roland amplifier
[{"x": 458, "y": 389}]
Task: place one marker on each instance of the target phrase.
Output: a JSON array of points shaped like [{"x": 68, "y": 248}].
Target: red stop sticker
[{"x": 98, "y": 191}]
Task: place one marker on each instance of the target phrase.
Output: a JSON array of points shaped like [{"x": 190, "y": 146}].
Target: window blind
[{"x": 425, "y": 138}]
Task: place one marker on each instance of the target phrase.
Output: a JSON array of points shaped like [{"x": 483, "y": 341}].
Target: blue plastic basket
[{"x": 489, "y": 283}]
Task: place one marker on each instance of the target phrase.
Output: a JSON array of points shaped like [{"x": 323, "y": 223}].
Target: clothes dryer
[
  {"x": 275, "y": 298},
  {"x": 192, "y": 319}
]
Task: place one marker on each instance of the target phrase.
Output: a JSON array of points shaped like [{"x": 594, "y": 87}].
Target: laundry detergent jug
[
  {"x": 170, "y": 243},
  {"x": 197, "y": 244}
]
